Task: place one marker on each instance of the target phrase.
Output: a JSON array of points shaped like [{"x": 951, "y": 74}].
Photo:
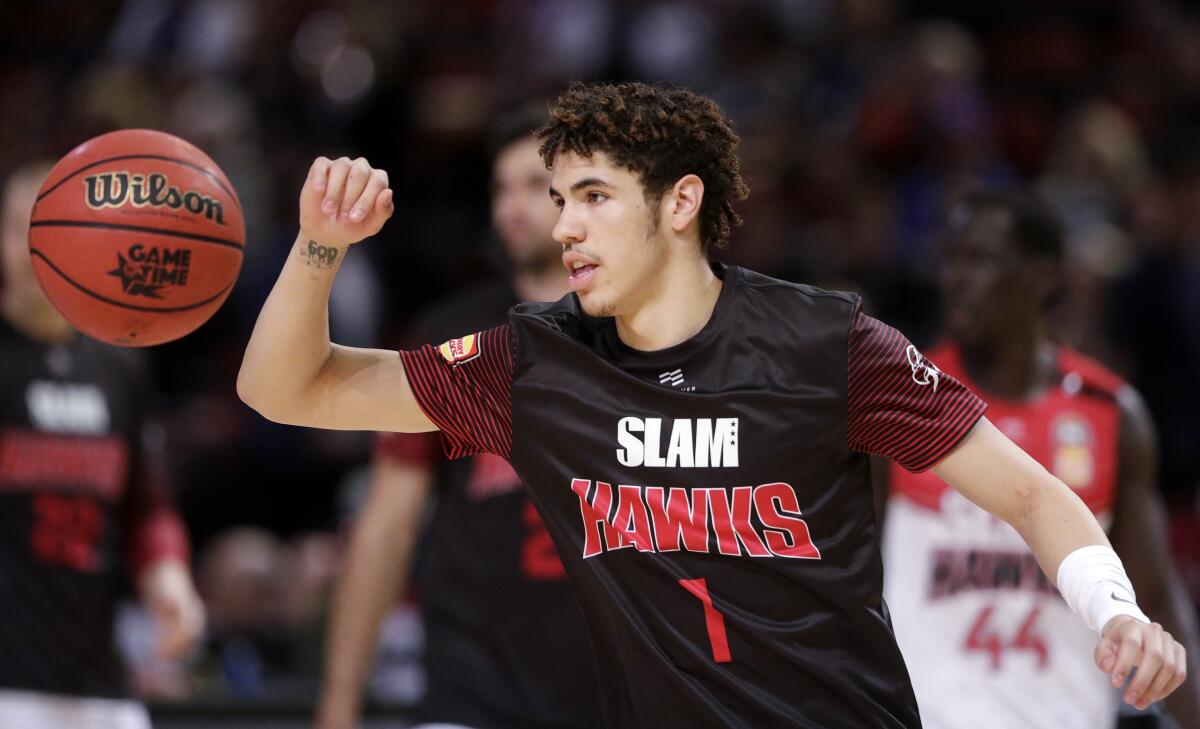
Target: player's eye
[
  {"x": 558, "y": 203},
  {"x": 595, "y": 197}
]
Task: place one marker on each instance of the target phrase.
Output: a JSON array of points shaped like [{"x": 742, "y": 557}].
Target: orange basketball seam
[{"x": 137, "y": 229}]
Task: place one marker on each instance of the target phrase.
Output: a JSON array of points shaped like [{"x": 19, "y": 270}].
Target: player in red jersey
[
  {"x": 986, "y": 638},
  {"x": 695, "y": 436},
  {"x": 504, "y": 640},
  {"x": 81, "y": 508}
]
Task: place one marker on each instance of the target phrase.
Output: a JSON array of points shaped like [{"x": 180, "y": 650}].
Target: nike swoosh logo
[{"x": 1121, "y": 599}]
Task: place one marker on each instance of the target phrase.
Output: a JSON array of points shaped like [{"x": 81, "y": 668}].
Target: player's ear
[{"x": 684, "y": 200}]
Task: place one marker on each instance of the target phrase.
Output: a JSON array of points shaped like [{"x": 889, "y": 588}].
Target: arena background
[{"x": 861, "y": 121}]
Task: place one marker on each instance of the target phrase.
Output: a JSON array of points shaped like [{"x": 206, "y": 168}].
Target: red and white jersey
[{"x": 988, "y": 641}]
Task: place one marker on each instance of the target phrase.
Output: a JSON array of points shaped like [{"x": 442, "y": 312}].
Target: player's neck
[
  {"x": 41, "y": 323},
  {"x": 685, "y": 294},
  {"x": 1017, "y": 366}
]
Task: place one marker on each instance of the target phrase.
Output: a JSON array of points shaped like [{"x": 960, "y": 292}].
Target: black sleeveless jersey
[
  {"x": 81, "y": 510},
  {"x": 711, "y": 501},
  {"x": 505, "y": 643}
]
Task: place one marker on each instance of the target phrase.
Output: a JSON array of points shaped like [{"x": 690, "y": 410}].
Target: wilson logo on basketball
[
  {"x": 147, "y": 270},
  {"x": 118, "y": 189},
  {"x": 460, "y": 350}
]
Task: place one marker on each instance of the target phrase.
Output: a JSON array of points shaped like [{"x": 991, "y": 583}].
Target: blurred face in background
[
  {"x": 521, "y": 213},
  {"x": 21, "y": 292},
  {"x": 609, "y": 232},
  {"x": 989, "y": 284}
]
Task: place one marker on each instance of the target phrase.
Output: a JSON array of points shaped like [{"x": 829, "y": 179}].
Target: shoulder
[
  {"x": 1090, "y": 377},
  {"x": 763, "y": 287},
  {"x": 784, "y": 311},
  {"x": 1137, "y": 435},
  {"x": 564, "y": 315},
  {"x": 477, "y": 308}
]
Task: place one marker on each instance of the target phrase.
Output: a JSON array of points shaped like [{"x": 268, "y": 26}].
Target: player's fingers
[
  {"x": 334, "y": 184},
  {"x": 168, "y": 634},
  {"x": 1105, "y": 654},
  {"x": 179, "y": 639},
  {"x": 1129, "y": 645},
  {"x": 356, "y": 181},
  {"x": 181, "y": 623},
  {"x": 1179, "y": 653},
  {"x": 1158, "y": 687},
  {"x": 1148, "y": 664},
  {"x": 366, "y": 201},
  {"x": 193, "y": 622},
  {"x": 318, "y": 173},
  {"x": 384, "y": 204}
]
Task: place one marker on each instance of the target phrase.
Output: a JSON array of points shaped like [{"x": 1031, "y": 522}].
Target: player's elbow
[
  {"x": 248, "y": 392},
  {"x": 257, "y": 394},
  {"x": 280, "y": 397}
]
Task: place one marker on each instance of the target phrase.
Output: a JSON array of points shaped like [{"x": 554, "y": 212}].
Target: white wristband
[{"x": 1093, "y": 582}]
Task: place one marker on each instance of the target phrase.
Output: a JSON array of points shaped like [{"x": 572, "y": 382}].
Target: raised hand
[{"x": 343, "y": 201}]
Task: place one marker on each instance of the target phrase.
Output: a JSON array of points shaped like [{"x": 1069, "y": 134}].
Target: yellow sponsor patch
[{"x": 461, "y": 349}]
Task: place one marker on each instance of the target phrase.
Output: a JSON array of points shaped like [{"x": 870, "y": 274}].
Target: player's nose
[{"x": 569, "y": 229}]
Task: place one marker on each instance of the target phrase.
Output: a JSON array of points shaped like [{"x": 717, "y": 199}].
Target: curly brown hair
[{"x": 661, "y": 134}]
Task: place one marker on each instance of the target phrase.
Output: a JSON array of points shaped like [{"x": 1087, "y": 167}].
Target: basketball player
[
  {"x": 988, "y": 641},
  {"x": 82, "y": 507},
  {"x": 694, "y": 436},
  {"x": 504, "y": 640}
]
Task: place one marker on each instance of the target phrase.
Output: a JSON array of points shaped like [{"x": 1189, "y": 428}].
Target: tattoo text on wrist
[{"x": 315, "y": 254}]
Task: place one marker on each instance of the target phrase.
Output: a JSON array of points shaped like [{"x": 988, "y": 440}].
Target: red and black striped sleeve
[
  {"x": 464, "y": 387},
  {"x": 900, "y": 404}
]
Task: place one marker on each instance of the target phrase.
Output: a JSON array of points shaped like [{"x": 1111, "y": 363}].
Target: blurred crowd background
[{"x": 861, "y": 120}]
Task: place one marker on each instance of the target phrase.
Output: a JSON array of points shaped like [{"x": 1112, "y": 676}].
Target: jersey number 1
[{"x": 713, "y": 620}]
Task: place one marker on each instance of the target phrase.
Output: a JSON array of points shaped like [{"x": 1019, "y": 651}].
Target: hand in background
[{"x": 168, "y": 593}]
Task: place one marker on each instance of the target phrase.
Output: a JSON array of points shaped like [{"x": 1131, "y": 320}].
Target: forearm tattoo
[{"x": 315, "y": 254}]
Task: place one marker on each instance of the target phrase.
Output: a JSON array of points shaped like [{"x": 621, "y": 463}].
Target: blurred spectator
[{"x": 266, "y": 599}]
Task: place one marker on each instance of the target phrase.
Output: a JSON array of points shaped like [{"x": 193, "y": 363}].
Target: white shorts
[{"x": 33, "y": 710}]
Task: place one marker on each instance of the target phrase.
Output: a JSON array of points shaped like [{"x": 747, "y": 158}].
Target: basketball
[{"x": 136, "y": 237}]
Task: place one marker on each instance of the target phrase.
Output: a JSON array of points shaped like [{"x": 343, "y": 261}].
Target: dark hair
[
  {"x": 1035, "y": 228},
  {"x": 519, "y": 122},
  {"x": 661, "y": 134}
]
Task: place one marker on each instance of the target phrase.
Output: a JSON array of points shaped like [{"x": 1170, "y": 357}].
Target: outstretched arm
[
  {"x": 291, "y": 372},
  {"x": 377, "y": 566},
  {"x": 1139, "y": 534},
  {"x": 995, "y": 474}
]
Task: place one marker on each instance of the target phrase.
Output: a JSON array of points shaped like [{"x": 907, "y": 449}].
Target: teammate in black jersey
[
  {"x": 504, "y": 640},
  {"x": 81, "y": 506},
  {"x": 695, "y": 436}
]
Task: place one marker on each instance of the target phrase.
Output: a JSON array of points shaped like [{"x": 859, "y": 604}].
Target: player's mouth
[{"x": 580, "y": 270}]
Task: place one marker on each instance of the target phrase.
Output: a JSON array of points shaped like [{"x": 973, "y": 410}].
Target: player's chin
[{"x": 594, "y": 304}]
